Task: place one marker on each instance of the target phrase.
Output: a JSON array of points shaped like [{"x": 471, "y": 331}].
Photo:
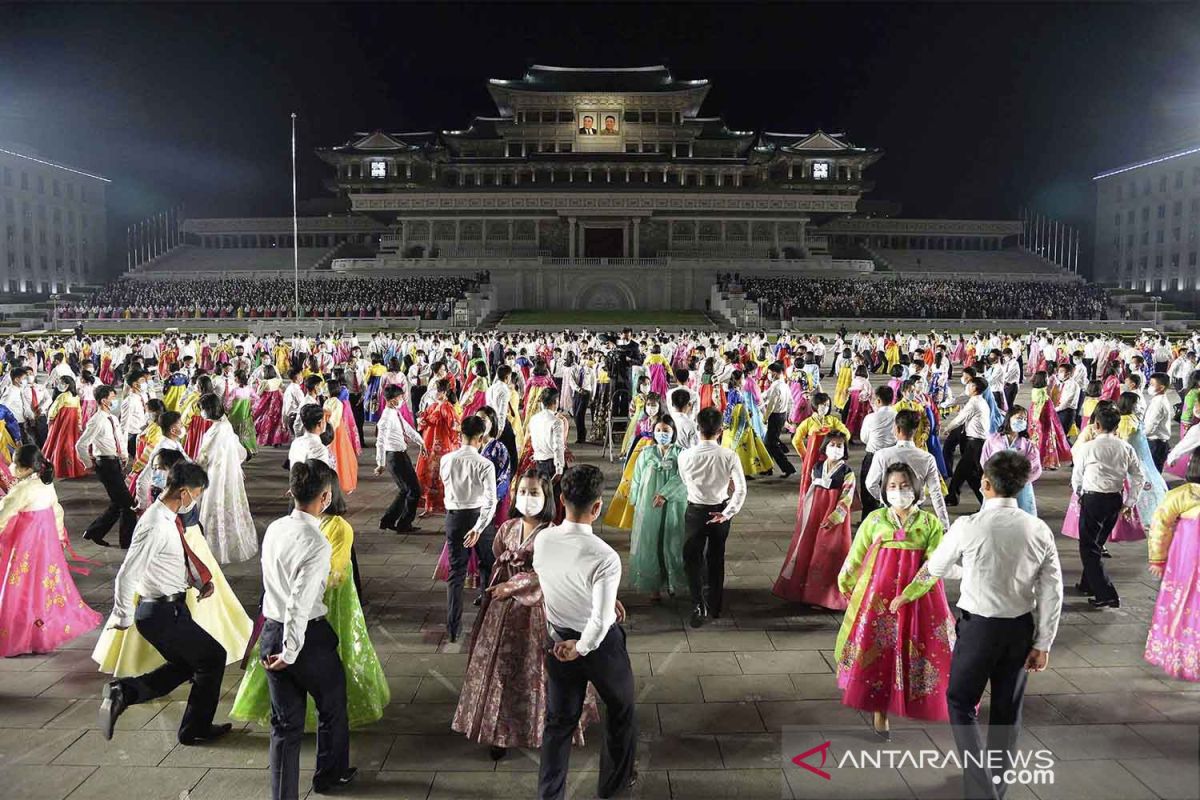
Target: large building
[
  {"x": 1148, "y": 223},
  {"x": 54, "y": 223}
]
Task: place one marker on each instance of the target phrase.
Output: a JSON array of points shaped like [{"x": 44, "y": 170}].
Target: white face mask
[
  {"x": 901, "y": 498},
  {"x": 190, "y": 507},
  {"x": 834, "y": 452},
  {"x": 652, "y": 410},
  {"x": 530, "y": 505}
]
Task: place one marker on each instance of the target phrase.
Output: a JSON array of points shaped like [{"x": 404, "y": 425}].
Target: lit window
[
  {"x": 378, "y": 169},
  {"x": 820, "y": 171}
]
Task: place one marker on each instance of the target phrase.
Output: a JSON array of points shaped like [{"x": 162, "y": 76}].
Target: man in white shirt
[
  {"x": 308, "y": 445},
  {"x": 1181, "y": 370},
  {"x": 546, "y": 436},
  {"x": 298, "y": 645},
  {"x": 498, "y": 398},
  {"x": 1102, "y": 467},
  {"x": 707, "y": 471},
  {"x": 160, "y": 568},
  {"x": 1011, "y": 374},
  {"x": 682, "y": 412},
  {"x": 1159, "y": 419},
  {"x": 878, "y": 433},
  {"x": 922, "y": 464},
  {"x": 393, "y": 439},
  {"x": 1010, "y": 601},
  {"x": 974, "y": 418},
  {"x": 777, "y": 402},
  {"x": 469, "y": 481},
  {"x": 1068, "y": 397},
  {"x": 102, "y": 444},
  {"x": 310, "y": 395},
  {"x": 293, "y": 393},
  {"x": 579, "y": 575},
  {"x": 133, "y": 410}
]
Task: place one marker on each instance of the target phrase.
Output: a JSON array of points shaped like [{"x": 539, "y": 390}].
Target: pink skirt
[
  {"x": 1174, "y": 640},
  {"x": 1127, "y": 529}
]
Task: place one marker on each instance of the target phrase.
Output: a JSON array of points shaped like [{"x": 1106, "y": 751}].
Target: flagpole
[{"x": 295, "y": 222}]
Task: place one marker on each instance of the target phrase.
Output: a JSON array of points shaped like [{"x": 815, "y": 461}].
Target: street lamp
[{"x": 1156, "y": 300}]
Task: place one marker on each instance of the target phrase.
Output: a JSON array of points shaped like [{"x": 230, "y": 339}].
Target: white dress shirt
[
  {"x": 923, "y": 465},
  {"x": 686, "y": 434},
  {"x": 777, "y": 399},
  {"x": 579, "y": 575},
  {"x": 706, "y": 471},
  {"x": 547, "y": 438},
  {"x": 155, "y": 565},
  {"x": 295, "y": 565},
  {"x": 470, "y": 482},
  {"x": 101, "y": 437},
  {"x": 1068, "y": 395},
  {"x": 292, "y": 396},
  {"x": 1009, "y": 566},
  {"x": 879, "y": 429},
  {"x": 1159, "y": 416},
  {"x": 1012, "y": 371},
  {"x": 1103, "y": 464},
  {"x": 974, "y": 417},
  {"x": 394, "y": 434},
  {"x": 133, "y": 413},
  {"x": 497, "y": 398},
  {"x": 309, "y": 447}
]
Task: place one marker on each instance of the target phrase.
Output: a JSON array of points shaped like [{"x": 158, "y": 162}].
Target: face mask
[
  {"x": 530, "y": 505},
  {"x": 662, "y": 437},
  {"x": 834, "y": 452},
  {"x": 823, "y": 409},
  {"x": 652, "y": 410},
  {"x": 189, "y": 508},
  {"x": 158, "y": 478},
  {"x": 1018, "y": 424},
  {"x": 901, "y": 498}
]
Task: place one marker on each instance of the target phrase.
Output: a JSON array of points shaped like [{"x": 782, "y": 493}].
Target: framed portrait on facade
[{"x": 599, "y": 123}]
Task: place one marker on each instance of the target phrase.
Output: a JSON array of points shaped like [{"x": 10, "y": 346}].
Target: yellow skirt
[
  {"x": 841, "y": 393},
  {"x": 125, "y": 653},
  {"x": 620, "y": 511},
  {"x": 750, "y": 449},
  {"x": 173, "y": 396}
]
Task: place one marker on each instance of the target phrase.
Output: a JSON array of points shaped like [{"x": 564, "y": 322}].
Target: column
[
  {"x": 625, "y": 239},
  {"x": 457, "y": 233},
  {"x": 776, "y": 236},
  {"x": 670, "y": 234},
  {"x": 510, "y": 235},
  {"x": 570, "y": 237},
  {"x": 408, "y": 170},
  {"x": 429, "y": 245},
  {"x": 722, "y": 233},
  {"x": 637, "y": 229}
]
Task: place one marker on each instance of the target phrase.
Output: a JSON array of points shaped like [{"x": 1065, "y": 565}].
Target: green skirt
[
  {"x": 367, "y": 692},
  {"x": 243, "y": 424}
]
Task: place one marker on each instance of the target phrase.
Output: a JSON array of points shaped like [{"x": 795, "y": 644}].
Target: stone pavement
[{"x": 712, "y": 702}]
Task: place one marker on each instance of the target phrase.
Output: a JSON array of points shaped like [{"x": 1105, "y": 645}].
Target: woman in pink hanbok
[
  {"x": 40, "y": 607},
  {"x": 1174, "y": 549},
  {"x": 860, "y": 402},
  {"x": 503, "y": 698},
  {"x": 656, "y": 368},
  {"x": 395, "y": 376},
  {"x": 474, "y": 396},
  {"x": 268, "y": 411}
]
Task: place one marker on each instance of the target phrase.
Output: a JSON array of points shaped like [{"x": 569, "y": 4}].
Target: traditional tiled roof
[
  {"x": 379, "y": 142},
  {"x": 543, "y": 78}
]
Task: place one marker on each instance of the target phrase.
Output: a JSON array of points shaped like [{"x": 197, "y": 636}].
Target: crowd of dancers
[
  {"x": 253, "y": 297},
  {"x": 475, "y": 432}
]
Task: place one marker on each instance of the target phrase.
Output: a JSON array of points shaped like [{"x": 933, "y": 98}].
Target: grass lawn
[{"x": 584, "y": 318}]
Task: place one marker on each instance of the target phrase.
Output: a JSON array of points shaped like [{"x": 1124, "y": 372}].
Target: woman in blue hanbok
[{"x": 1014, "y": 435}]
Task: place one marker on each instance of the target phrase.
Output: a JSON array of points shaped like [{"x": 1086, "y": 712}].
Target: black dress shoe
[
  {"x": 214, "y": 732},
  {"x": 497, "y": 753},
  {"x": 112, "y": 703},
  {"x": 1104, "y": 552},
  {"x": 477, "y": 601},
  {"x": 1079, "y": 587},
  {"x": 383, "y": 527},
  {"x": 697, "y": 618},
  {"x": 407, "y": 529},
  {"x": 1113, "y": 603},
  {"x": 951, "y": 500},
  {"x": 340, "y": 782},
  {"x": 453, "y": 638},
  {"x": 96, "y": 538}
]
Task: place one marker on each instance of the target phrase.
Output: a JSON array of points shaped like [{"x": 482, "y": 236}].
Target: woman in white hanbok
[{"x": 224, "y": 509}]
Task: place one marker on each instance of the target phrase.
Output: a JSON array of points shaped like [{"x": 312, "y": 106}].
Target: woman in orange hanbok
[
  {"x": 65, "y": 426},
  {"x": 438, "y": 425},
  {"x": 344, "y": 437}
]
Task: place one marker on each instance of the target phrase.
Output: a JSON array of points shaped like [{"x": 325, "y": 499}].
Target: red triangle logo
[{"x": 802, "y": 760}]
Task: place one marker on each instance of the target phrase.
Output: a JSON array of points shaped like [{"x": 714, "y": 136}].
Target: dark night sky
[{"x": 980, "y": 108}]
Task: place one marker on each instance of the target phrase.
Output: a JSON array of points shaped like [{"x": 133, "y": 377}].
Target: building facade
[
  {"x": 54, "y": 224},
  {"x": 1148, "y": 223}
]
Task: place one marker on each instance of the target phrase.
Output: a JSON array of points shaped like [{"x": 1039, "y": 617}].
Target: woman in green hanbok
[
  {"x": 659, "y": 500},
  {"x": 367, "y": 692}
]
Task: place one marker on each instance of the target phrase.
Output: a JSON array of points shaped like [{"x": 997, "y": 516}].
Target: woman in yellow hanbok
[
  {"x": 845, "y": 375},
  {"x": 125, "y": 653},
  {"x": 740, "y": 435},
  {"x": 636, "y": 416},
  {"x": 282, "y": 354},
  {"x": 620, "y": 513},
  {"x": 891, "y": 353},
  {"x": 809, "y": 439}
]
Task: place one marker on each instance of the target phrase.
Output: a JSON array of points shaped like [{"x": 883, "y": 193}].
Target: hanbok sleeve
[
  {"x": 641, "y": 473},
  {"x": 673, "y": 488},
  {"x": 60, "y": 524},
  {"x": 1162, "y": 529},
  {"x": 839, "y": 512},
  {"x": 11, "y": 505},
  {"x": 931, "y": 531},
  {"x": 867, "y": 530}
]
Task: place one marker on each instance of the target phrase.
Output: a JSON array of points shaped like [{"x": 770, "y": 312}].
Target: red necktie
[
  {"x": 33, "y": 398},
  {"x": 195, "y": 567}
]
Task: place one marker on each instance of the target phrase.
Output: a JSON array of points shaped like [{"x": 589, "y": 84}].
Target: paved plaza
[{"x": 713, "y": 703}]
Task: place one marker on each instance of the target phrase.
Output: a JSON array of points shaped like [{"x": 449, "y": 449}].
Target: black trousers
[
  {"x": 1066, "y": 418},
  {"x": 1010, "y": 393},
  {"x": 1159, "y": 448},
  {"x": 989, "y": 650},
  {"x": 608, "y": 669},
  {"x": 1097, "y": 515},
  {"x": 356, "y": 410},
  {"x": 509, "y": 440},
  {"x": 951, "y": 443},
  {"x": 582, "y": 399},
  {"x": 35, "y": 432},
  {"x": 131, "y": 445},
  {"x": 191, "y": 655},
  {"x": 317, "y": 671},
  {"x": 704, "y": 555},
  {"x": 869, "y": 503},
  {"x": 458, "y": 523},
  {"x": 778, "y": 451},
  {"x": 999, "y": 398},
  {"x": 969, "y": 470},
  {"x": 1090, "y": 365},
  {"x": 545, "y": 468},
  {"x": 120, "y": 502},
  {"x": 403, "y": 509}
]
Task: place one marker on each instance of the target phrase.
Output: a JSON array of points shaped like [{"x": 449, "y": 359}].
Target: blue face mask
[
  {"x": 1017, "y": 424},
  {"x": 662, "y": 437}
]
